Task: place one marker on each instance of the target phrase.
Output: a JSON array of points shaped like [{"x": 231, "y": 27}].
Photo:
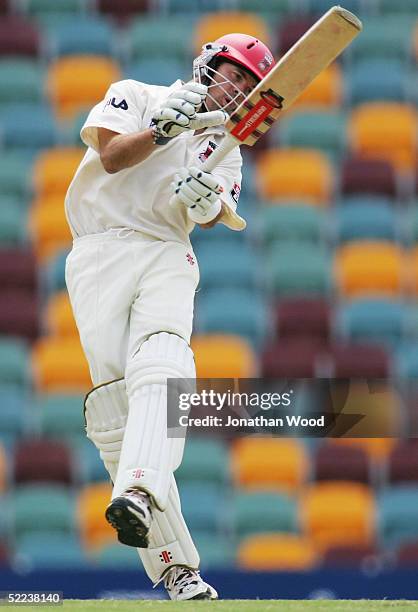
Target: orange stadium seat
[
  {"x": 59, "y": 364},
  {"x": 54, "y": 169},
  {"x": 279, "y": 172},
  {"x": 326, "y": 91},
  {"x": 269, "y": 463},
  {"x": 373, "y": 125},
  {"x": 59, "y": 316},
  {"x": 95, "y": 531},
  {"x": 334, "y": 514},
  {"x": 48, "y": 227},
  {"x": 413, "y": 270},
  {"x": 223, "y": 356},
  {"x": 214, "y": 25},
  {"x": 78, "y": 82},
  {"x": 277, "y": 552},
  {"x": 370, "y": 268}
]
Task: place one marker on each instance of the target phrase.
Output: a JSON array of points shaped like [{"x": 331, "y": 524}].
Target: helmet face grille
[{"x": 211, "y": 77}]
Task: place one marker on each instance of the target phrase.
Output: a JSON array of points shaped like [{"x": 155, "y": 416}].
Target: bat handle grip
[{"x": 213, "y": 160}]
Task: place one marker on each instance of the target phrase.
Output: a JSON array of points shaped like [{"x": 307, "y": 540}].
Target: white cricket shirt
[{"x": 137, "y": 197}]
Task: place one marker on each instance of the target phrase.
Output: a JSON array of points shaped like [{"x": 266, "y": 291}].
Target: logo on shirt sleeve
[
  {"x": 235, "y": 191},
  {"x": 112, "y": 102}
]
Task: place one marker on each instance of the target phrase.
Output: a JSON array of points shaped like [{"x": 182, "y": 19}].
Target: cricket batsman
[{"x": 132, "y": 275}]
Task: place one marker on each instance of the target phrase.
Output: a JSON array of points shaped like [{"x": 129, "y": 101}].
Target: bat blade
[{"x": 309, "y": 56}]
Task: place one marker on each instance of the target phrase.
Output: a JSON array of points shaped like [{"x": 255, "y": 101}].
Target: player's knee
[{"x": 163, "y": 355}]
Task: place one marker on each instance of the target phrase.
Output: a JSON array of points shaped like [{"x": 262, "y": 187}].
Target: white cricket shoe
[
  {"x": 183, "y": 583},
  {"x": 130, "y": 514}
]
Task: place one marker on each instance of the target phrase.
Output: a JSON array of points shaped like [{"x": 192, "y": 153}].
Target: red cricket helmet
[{"x": 247, "y": 51}]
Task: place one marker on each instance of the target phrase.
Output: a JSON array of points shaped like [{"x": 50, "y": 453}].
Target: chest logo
[{"x": 208, "y": 151}]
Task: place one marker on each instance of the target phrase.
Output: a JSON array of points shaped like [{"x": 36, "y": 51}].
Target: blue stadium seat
[
  {"x": 15, "y": 176},
  {"x": 235, "y": 265},
  {"x": 61, "y": 416},
  {"x": 368, "y": 219},
  {"x": 21, "y": 80},
  {"x": 374, "y": 320},
  {"x": 159, "y": 71},
  {"x": 13, "y": 222},
  {"x": 234, "y": 311},
  {"x": 89, "y": 36},
  {"x": 46, "y": 549},
  {"x": 385, "y": 38},
  {"x": 378, "y": 79},
  {"x": 406, "y": 7},
  {"x": 202, "y": 507},
  {"x": 291, "y": 222},
  {"x": 89, "y": 466},
  {"x": 63, "y": 7},
  {"x": 14, "y": 363},
  {"x": 204, "y": 459},
  {"x": 216, "y": 551},
  {"x": 191, "y": 6},
  {"x": 161, "y": 36},
  {"x": 41, "y": 507},
  {"x": 279, "y": 512},
  {"x": 53, "y": 273},
  {"x": 406, "y": 360},
  {"x": 318, "y": 7},
  {"x": 14, "y": 414},
  {"x": 26, "y": 126},
  {"x": 397, "y": 515},
  {"x": 116, "y": 556}
]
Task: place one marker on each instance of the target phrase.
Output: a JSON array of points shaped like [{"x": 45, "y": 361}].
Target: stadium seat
[
  {"x": 216, "y": 551},
  {"x": 359, "y": 360},
  {"x": 369, "y": 268},
  {"x": 123, "y": 9},
  {"x": 407, "y": 8},
  {"x": 92, "y": 501},
  {"x": 28, "y": 127},
  {"x": 407, "y": 555},
  {"x": 89, "y": 466},
  {"x": 366, "y": 218},
  {"x": 338, "y": 462},
  {"x": 59, "y": 318},
  {"x": 290, "y": 29},
  {"x": 59, "y": 365},
  {"x": 17, "y": 269},
  {"x": 368, "y": 176},
  {"x": 93, "y": 75},
  {"x": 277, "y": 552},
  {"x": 292, "y": 358},
  {"x": 388, "y": 37},
  {"x": 15, "y": 176},
  {"x": 402, "y": 463},
  {"x": 49, "y": 227},
  {"x": 269, "y": 464},
  {"x": 51, "y": 508},
  {"x": 413, "y": 269},
  {"x": 54, "y": 169},
  {"x": 159, "y": 36},
  {"x": 406, "y": 361},
  {"x": 338, "y": 514},
  {"x": 42, "y": 460},
  {"x": 204, "y": 459},
  {"x": 370, "y": 126},
  {"x": 53, "y": 273},
  {"x": 350, "y": 557},
  {"x": 115, "y": 556},
  {"x": 14, "y": 414},
  {"x": 61, "y": 416},
  {"x": 158, "y": 71},
  {"x": 291, "y": 222},
  {"x": 234, "y": 311},
  {"x": 303, "y": 318},
  {"x": 21, "y": 80},
  {"x": 325, "y": 92},
  {"x": 234, "y": 266},
  {"x": 14, "y": 362},
  {"x": 397, "y": 511},
  {"x": 38, "y": 8},
  {"x": 298, "y": 269},
  {"x": 75, "y": 36},
  {"x": 203, "y": 506},
  {"x": 13, "y": 224},
  {"x": 223, "y": 356},
  {"x": 214, "y": 25},
  {"x": 19, "y": 313},
  {"x": 315, "y": 129},
  {"x": 378, "y": 79},
  {"x": 19, "y": 37},
  {"x": 278, "y": 175},
  {"x": 269, "y": 9},
  {"x": 279, "y": 513},
  {"x": 318, "y": 7},
  {"x": 377, "y": 449},
  {"x": 49, "y": 550}
]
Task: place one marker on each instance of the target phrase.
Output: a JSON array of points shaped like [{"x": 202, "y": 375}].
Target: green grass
[{"x": 77, "y": 605}]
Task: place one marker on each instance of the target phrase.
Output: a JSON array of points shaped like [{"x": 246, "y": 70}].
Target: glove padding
[
  {"x": 199, "y": 191},
  {"x": 179, "y": 112}
]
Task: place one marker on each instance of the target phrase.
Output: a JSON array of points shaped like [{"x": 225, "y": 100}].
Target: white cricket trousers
[{"x": 125, "y": 286}]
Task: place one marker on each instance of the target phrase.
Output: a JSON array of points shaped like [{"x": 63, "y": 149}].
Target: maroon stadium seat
[
  {"x": 19, "y": 313},
  {"x": 291, "y": 358},
  {"x": 4, "y": 6},
  {"x": 359, "y": 361},
  {"x": 290, "y": 30},
  {"x": 18, "y": 36},
  {"x": 407, "y": 555},
  {"x": 123, "y": 9},
  {"x": 18, "y": 269},
  {"x": 303, "y": 317},
  {"x": 341, "y": 462},
  {"x": 359, "y": 175},
  {"x": 403, "y": 462},
  {"x": 42, "y": 461},
  {"x": 349, "y": 556}
]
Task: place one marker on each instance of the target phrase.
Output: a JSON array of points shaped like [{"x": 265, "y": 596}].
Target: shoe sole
[{"x": 130, "y": 528}]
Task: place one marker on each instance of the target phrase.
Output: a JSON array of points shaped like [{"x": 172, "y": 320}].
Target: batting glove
[
  {"x": 199, "y": 191},
  {"x": 179, "y": 113}
]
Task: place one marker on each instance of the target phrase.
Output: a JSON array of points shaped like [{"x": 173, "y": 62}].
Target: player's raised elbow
[{"x": 108, "y": 163}]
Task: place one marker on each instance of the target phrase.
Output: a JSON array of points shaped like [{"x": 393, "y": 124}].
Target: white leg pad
[
  {"x": 170, "y": 540},
  {"x": 148, "y": 455},
  {"x": 106, "y": 412}
]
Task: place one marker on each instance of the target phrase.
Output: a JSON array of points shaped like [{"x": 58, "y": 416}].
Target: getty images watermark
[{"x": 301, "y": 407}]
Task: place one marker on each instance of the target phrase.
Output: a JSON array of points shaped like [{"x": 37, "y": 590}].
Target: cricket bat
[{"x": 311, "y": 54}]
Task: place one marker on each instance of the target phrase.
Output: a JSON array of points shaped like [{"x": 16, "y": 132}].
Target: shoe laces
[{"x": 178, "y": 578}]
